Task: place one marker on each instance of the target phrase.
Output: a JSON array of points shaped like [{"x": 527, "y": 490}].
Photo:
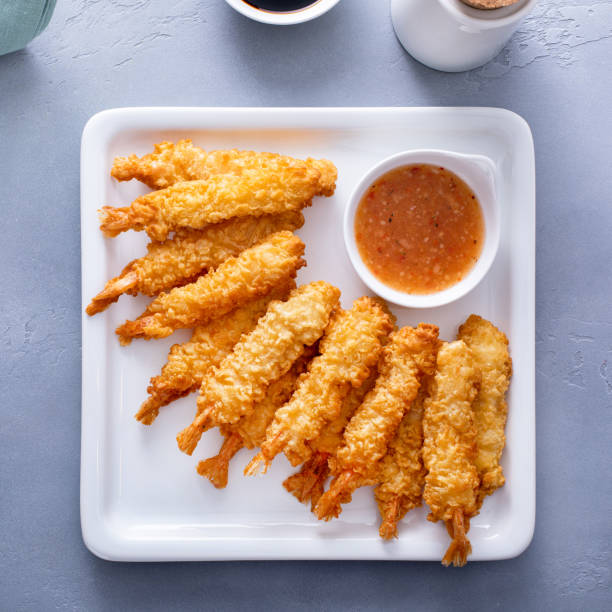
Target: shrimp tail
[
  {"x": 113, "y": 289},
  {"x": 216, "y": 468},
  {"x": 141, "y": 213},
  {"x": 315, "y": 495},
  {"x": 269, "y": 450},
  {"x": 161, "y": 393},
  {"x": 253, "y": 466},
  {"x": 340, "y": 492},
  {"x": 310, "y": 479},
  {"x": 146, "y": 326},
  {"x": 148, "y": 411},
  {"x": 390, "y": 513},
  {"x": 190, "y": 436},
  {"x": 132, "y": 329},
  {"x": 460, "y": 546},
  {"x": 113, "y": 220}
]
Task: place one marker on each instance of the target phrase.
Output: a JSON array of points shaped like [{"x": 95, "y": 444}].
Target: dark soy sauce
[{"x": 280, "y": 6}]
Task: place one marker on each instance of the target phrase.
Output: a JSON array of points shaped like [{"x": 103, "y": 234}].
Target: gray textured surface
[{"x": 98, "y": 54}]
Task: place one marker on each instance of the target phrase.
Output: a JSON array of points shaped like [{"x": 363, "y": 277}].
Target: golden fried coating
[
  {"x": 195, "y": 204},
  {"x": 230, "y": 391},
  {"x": 410, "y": 354},
  {"x": 449, "y": 447},
  {"x": 254, "y": 273},
  {"x": 308, "y": 483},
  {"x": 175, "y": 163},
  {"x": 402, "y": 474},
  {"x": 180, "y": 260},
  {"x": 328, "y": 175},
  {"x": 250, "y": 430},
  {"x": 209, "y": 345},
  {"x": 349, "y": 350},
  {"x": 489, "y": 348},
  {"x": 330, "y": 438}
]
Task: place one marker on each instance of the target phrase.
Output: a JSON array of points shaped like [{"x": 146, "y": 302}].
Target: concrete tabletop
[{"x": 101, "y": 54}]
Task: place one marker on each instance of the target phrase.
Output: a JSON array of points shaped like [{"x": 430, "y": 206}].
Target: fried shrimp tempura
[
  {"x": 307, "y": 484},
  {"x": 349, "y": 350},
  {"x": 255, "y": 272},
  {"x": 489, "y": 348},
  {"x": 250, "y": 431},
  {"x": 196, "y": 204},
  {"x": 180, "y": 260},
  {"x": 402, "y": 474},
  {"x": 230, "y": 390},
  {"x": 410, "y": 354},
  {"x": 209, "y": 345},
  {"x": 449, "y": 447},
  {"x": 175, "y": 163}
]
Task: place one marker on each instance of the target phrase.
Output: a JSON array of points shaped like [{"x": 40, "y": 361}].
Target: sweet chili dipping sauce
[{"x": 419, "y": 229}]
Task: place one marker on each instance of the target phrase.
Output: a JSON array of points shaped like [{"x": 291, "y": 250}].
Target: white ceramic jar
[{"x": 448, "y": 35}]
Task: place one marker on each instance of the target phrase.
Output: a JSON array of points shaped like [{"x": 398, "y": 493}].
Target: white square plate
[{"x": 141, "y": 499}]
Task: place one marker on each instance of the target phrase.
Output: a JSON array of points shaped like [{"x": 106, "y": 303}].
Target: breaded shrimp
[
  {"x": 196, "y": 204},
  {"x": 449, "y": 447},
  {"x": 308, "y": 483},
  {"x": 410, "y": 354},
  {"x": 254, "y": 273},
  {"x": 209, "y": 345},
  {"x": 250, "y": 431},
  {"x": 402, "y": 475},
  {"x": 230, "y": 390},
  {"x": 349, "y": 350},
  {"x": 180, "y": 260},
  {"x": 489, "y": 348},
  {"x": 174, "y": 163}
]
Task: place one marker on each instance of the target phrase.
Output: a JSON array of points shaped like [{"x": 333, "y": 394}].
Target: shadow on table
[
  {"x": 310, "y": 585},
  {"x": 277, "y": 55},
  {"x": 18, "y": 84}
]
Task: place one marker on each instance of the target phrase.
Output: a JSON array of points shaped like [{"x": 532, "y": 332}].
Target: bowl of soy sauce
[{"x": 282, "y": 12}]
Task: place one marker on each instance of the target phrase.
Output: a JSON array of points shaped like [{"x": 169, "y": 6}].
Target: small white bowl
[
  {"x": 316, "y": 9},
  {"x": 479, "y": 173}
]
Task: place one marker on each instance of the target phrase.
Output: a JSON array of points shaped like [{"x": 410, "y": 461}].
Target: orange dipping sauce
[{"x": 419, "y": 229}]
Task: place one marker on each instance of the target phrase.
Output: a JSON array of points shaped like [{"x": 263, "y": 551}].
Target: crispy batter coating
[
  {"x": 402, "y": 474},
  {"x": 180, "y": 260},
  {"x": 209, "y": 345},
  {"x": 308, "y": 483},
  {"x": 328, "y": 175},
  {"x": 174, "y": 163},
  {"x": 230, "y": 391},
  {"x": 196, "y": 204},
  {"x": 489, "y": 348},
  {"x": 330, "y": 438},
  {"x": 410, "y": 354},
  {"x": 254, "y": 273},
  {"x": 252, "y": 427},
  {"x": 250, "y": 430},
  {"x": 449, "y": 447},
  {"x": 349, "y": 350}
]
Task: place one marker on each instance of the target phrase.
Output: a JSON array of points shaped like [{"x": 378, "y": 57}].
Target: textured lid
[{"x": 489, "y": 4}]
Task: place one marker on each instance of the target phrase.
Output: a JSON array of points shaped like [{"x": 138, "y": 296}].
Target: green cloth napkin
[{"x": 21, "y": 21}]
